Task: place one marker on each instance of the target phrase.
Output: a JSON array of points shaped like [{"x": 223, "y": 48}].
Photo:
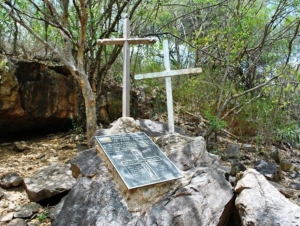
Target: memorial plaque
[{"x": 138, "y": 161}]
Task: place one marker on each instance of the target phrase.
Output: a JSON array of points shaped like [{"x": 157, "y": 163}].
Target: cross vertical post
[
  {"x": 126, "y": 69},
  {"x": 167, "y": 74},
  {"x": 168, "y": 87},
  {"x": 126, "y": 41}
]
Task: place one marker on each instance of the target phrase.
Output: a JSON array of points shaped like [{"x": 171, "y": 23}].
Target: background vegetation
[{"x": 248, "y": 50}]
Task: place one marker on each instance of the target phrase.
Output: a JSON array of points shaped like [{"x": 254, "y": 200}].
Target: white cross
[
  {"x": 125, "y": 41},
  {"x": 168, "y": 73}
]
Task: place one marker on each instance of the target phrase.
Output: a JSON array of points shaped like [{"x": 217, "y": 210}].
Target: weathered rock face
[
  {"x": 259, "y": 203},
  {"x": 188, "y": 201},
  {"x": 34, "y": 95}
]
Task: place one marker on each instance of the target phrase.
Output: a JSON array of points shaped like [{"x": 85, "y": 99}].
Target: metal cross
[
  {"x": 125, "y": 41},
  {"x": 167, "y": 74}
]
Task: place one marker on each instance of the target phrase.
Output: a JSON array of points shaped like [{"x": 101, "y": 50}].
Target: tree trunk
[
  {"x": 90, "y": 110},
  {"x": 90, "y": 105}
]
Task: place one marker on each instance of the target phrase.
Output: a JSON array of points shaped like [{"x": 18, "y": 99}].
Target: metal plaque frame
[{"x": 137, "y": 159}]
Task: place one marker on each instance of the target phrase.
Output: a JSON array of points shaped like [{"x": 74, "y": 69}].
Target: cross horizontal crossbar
[
  {"x": 121, "y": 41},
  {"x": 168, "y": 73}
]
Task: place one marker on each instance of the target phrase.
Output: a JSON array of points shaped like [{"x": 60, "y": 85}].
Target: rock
[
  {"x": 102, "y": 201},
  {"x": 10, "y": 180},
  {"x": 249, "y": 148},
  {"x": 276, "y": 155},
  {"x": 259, "y": 203},
  {"x": 19, "y": 145},
  {"x": 288, "y": 166},
  {"x": 193, "y": 150},
  {"x": 124, "y": 125},
  {"x": 81, "y": 147},
  {"x": 156, "y": 129},
  {"x": 86, "y": 163},
  {"x": 270, "y": 170},
  {"x": 236, "y": 167},
  {"x": 34, "y": 95},
  {"x": 288, "y": 193},
  {"x": 295, "y": 184},
  {"x": 17, "y": 222},
  {"x": 7, "y": 217},
  {"x": 27, "y": 210},
  {"x": 193, "y": 205},
  {"x": 1, "y": 193},
  {"x": 93, "y": 202},
  {"x": 231, "y": 153},
  {"x": 292, "y": 174},
  {"x": 49, "y": 181}
]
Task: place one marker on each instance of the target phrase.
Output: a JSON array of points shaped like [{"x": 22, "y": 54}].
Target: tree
[
  {"x": 248, "y": 51},
  {"x": 75, "y": 27}
]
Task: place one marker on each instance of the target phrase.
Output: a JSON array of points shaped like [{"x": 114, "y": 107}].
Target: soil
[{"x": 40, "y": 151}]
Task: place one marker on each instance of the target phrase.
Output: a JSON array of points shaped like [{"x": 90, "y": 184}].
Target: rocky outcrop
[
  {"x": 190, "y": 200},
  {"x": 259, "y": 203},
  {"x": 33, "y": 95},
  {"x": 41, "y": 95}
]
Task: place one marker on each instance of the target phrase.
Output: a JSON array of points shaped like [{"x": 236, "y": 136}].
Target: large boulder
[
  {"x": 190, "y": 200},
  {"x": 260, "y": 203}
]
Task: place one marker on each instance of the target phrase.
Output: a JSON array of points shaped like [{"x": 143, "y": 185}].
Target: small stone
[
  {"x": 27, "y": 210},
  {"x": 288, "y": 166},
  {"x": 295, "y": 185},
  {"x": 19, "y": 146},
  {"x": 276, "y": 155},
  {"x": 249, "y": 148},
  {"x": 10, "y": 180},
  {"x": 1, "y": 193},
  {"x": 292, "y": 174},
  {"x": 270, "y": 170},
  {"x": 236, "y": 167},
  {"x": 17, "y": 222},
  {"x": 231, "y": 153},
  {"x": 40, "y": 156},
  {"x": 7, "y": 217}
]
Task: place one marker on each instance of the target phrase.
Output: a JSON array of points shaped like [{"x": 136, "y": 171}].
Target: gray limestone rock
[
  {"x": 260, "y": 203},
  {"x": 49, "y": 181},
  {"x": 10, "y": 180},
  {"x": 195, "y": 203},
  {"x": 295, "y": 184},
  {"x": 17, "y": 222},
  {"x": 86, "y": 163},
  {"x": 288, "y": 193},
  {"x": 270, "y": 170},
  {"x": 27, "y": 210},
  {"x": 184, "y": 152},
  {"x": 231, "y": 153},
  {"x": 156, "y": 129},
  {"x": 190, "y": 200},
  {"x": 6, "y": 217},
  {"x": 122, "y": 125},
  {"x": 236, "y": 167}
]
